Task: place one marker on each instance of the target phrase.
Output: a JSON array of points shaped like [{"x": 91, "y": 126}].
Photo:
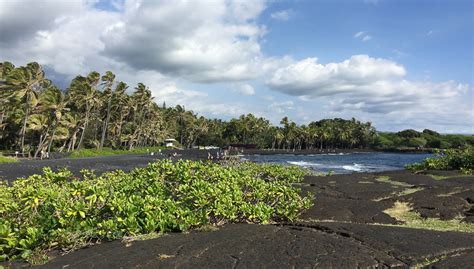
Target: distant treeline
[
  {"x": 425, "y": 139},
  {"x": 98, "y": 111}
]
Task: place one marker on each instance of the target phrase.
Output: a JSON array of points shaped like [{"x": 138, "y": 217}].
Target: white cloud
[
  {"x": 359, "y": 34},
  {"x": 20, "y": 20},
  {"x": 282, "y": 15},
  {"x": 281, "y": 107},
  {"x": 69, "y": 43},
  {"x": 200, "y": 40},
  {"x": 197, "y": 40},
  {"x": 371, "y": 85},
  {"x": 363, "y": 36},
  {"x": 245, "y": 89},
  {"x": 308, "y": 77}
]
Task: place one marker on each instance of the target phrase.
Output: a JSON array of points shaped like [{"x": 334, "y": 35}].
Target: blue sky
[
  {"x": 418, "y": 34},
  {"x": 399, "y": 64}
]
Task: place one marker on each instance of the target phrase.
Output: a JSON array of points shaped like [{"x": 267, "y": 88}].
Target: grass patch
[
  {"x": 399, "y": 193},
  {"x": 207, "y": 228},
  {"x": 365, "y": 182},
  {"x": 404, "y": 212},
  {"x": 83, "y": 153},
  {"x": 141, "y": 237},
  {"x": 451, "y": 193},
  {"x": 386, "y": 179},
  {"x": 438, "y": 177},
  {"x": 5, "y": 159}
]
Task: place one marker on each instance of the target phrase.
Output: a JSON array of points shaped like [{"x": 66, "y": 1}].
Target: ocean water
[{"x": 344, "y": 163}]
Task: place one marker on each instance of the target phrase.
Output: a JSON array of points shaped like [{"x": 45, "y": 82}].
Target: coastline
[{"x": 328, "y": 151}]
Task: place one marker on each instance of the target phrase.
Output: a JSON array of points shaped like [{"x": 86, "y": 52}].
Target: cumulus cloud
[
  {"x": 197, "y": 40},
  {"x": 309, "y": 78},
  {"x": 69, "y": 42},
  {"x": 245, "y": 89},
  {"x": 20, "y": 20},
  {"x": 197, "y": 101},
  {"x": 282, "y": 15},
  {"x": 281, "y": 107},
  {"x": 200, "y": 40},
  {"x": 370, "y": 85}
]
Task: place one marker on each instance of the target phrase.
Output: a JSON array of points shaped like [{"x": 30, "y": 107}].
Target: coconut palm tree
[
  {"x": 107, "y": 81},
  {"x": 41, "y": 124},
  {"x": 121, "y": 108},
  {"x": 55, "y": 103},
  {"x": 84, "y": 94},
  {"x": 24, "y": 85}
]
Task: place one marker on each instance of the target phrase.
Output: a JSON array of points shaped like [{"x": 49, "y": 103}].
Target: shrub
[
  {"x": 451, "y": 159},
  {"x": 55, "y": 210},
  {"x": 6, "y": 159}
]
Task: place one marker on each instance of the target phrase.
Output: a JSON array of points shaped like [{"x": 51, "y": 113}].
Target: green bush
[
  {"x": 6, "y": 159},
  {"x": 450, "y": 159},
  {"x": 57, "y": 211}
]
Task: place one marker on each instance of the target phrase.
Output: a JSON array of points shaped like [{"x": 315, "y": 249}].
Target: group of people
[{"x": 220, "y": 155}]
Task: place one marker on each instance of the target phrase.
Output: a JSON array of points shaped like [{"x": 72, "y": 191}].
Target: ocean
[{"x": 344, "y": 163}]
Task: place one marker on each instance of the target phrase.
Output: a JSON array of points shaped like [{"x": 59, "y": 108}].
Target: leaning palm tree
[
  {"x": 107, "y": 81},
  {"x": 54, "y": 101},
  {"x": 70, "y": 122},
  {"x": 84, "y": 94},
  {"x": 121, "y": 106},
  {"x": 24, "y": 85},
  {"x": 41, "y": 124}
]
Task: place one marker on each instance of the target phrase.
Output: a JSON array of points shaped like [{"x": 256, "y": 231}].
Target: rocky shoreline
[{"x": 350, "y": 225}]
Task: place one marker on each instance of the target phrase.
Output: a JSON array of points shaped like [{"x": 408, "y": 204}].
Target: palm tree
[
  {"x": 54, "y": 101},
  {"x": 71, "y": 122},
  {"x": 142, "y": 101},
  {"x": 108, "y": 81},
  {"x": 24, "y": 85},
  {"x": 121, "y": 106},
  {"x": 84, "y": 93},
  {"x": 41, "y": 124}
]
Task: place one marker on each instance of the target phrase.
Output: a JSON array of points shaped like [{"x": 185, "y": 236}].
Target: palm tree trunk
[
  {"x": 107, "y": 119},
  {"x": 1, "y": 118},
  {"x": 25, "y": 120},
  {"x": 52, "y": 139},
  {"x": 86, "y": 122},
  {"x": 41, "y": 142}
]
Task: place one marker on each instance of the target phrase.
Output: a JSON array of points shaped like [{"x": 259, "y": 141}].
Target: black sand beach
[{"x": 346, "y": 227}]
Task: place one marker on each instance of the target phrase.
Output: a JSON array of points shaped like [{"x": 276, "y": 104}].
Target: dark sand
[{"x": 342, "y": 230}]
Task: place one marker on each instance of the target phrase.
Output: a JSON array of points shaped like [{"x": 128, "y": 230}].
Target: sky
[{"x": 398, "y": 64}]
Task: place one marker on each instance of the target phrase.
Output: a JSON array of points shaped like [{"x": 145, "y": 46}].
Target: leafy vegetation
[
  {"x": 6, "y": 159},
  {"x": 404, "y": 212},
  {"x": 450, "y": 159},
  {"x": 425, "y": 139},
  {"x": 57, "y": 211}
]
